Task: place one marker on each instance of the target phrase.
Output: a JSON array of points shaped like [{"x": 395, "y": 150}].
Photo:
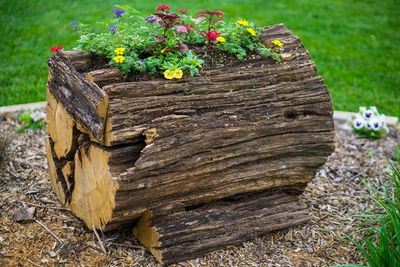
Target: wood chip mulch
[{"x": 48, "y": 234}]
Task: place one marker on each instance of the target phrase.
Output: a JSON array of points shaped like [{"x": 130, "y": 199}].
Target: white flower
[
  {"x": 367, "y": 114},
  {"x": 375, "y": 124},
  {"x": 38, "y": 115},
  {"x": 359, "y": 123}
]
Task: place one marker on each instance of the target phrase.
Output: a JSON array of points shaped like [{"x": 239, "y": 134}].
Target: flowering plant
[
  {"x": 369, "y": 123},
  {"x": 174, "y": 44},
  {"x": 33, "y": 120}
]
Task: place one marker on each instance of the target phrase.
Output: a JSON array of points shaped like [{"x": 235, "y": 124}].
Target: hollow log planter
[{"x": 196, "y": 163}]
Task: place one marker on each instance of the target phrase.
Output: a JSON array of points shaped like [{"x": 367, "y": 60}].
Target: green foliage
[
  {"x": 33, "y": 120},
  {"x": 161, "y": 41},
  {"x": 381, "y": 247},
  {"x": 239, "y": 41},
  {"x": 396, "y": 153}
]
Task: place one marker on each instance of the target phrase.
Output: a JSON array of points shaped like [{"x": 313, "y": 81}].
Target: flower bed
[{"x": 174, "y": 44}]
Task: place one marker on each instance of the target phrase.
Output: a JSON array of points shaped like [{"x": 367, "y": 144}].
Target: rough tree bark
[{"x": 242, "y": 139}]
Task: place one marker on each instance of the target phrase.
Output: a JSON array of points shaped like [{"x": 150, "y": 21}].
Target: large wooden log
[{"x": 161, "y": 147}]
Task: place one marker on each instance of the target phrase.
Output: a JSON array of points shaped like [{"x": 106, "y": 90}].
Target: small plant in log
[{"x": 173, "y": 44}]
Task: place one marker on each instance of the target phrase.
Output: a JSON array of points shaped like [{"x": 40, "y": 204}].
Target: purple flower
[
  {"x": 74, "y": 22},
  {"x": 151, "y": 19},
  {"x": 118, "y": 12},
  {"x": 113, "y": 28}
]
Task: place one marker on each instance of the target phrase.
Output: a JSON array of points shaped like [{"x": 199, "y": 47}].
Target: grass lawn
[{"x": 355, "y": 44}]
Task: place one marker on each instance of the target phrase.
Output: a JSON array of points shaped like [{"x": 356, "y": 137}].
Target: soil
[{"x": 55, "y": 236}]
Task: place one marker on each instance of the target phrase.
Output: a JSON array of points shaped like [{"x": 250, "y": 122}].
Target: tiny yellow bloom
[
  {"x": 119, "y": 51},
  {"x": 278, "y": 43},
  {"x": 163, "y": 50},
  {"x": 119, "y": 59},
  {"x": 251, "y": 31},
  {"x": 178, "y": 74},
  {"x": 169, "y": 74},
  {"x": 221, "y": 39},
  {"x": 242, "y": 22}
]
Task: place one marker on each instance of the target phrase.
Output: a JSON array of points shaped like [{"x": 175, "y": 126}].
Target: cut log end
[
  {"x": 148, "y": 235},
  {"x": 94, "y": 190},
  {"x": 61, "y": 127}
]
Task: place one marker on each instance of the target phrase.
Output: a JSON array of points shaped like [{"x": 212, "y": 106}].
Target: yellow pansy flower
[
  {"x": 251, "y": 31},
  {"x": 221, "y": 39},
  {"x": 278, "y": 43},
  {"x": 178, "y": 74},
  {"x": 169, "y": 74},
  {"x": 119, "y": 59},
  {"x": 242, "y": 22},
  {"x": 119, "y": 51}
]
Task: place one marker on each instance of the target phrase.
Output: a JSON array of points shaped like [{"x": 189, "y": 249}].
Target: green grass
[{"x": 355, "y": 44}]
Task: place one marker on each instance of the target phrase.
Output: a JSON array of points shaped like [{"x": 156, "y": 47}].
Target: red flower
[
  {"x": 183, "y": 11},
  {"x": 188, "y": 27},
  {"x": 163, "y": 8},
  {"x": 212, "y": 35},
  {"x": 56, "y": 48}
]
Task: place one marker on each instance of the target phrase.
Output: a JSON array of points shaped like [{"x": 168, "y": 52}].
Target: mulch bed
[{"x": 55, "y": 236}]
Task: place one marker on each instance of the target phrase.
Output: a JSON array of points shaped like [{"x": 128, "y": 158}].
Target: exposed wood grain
[
  {"x": 78, "y": 59},
  {"x": 61, "y": 128},
  {"x": 105, "y": 76}
]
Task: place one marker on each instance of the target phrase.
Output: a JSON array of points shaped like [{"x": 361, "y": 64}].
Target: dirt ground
[{"x": 56, "y": 238}]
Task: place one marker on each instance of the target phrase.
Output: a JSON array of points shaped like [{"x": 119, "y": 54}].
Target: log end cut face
[{"x": 93, "y": 197}]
